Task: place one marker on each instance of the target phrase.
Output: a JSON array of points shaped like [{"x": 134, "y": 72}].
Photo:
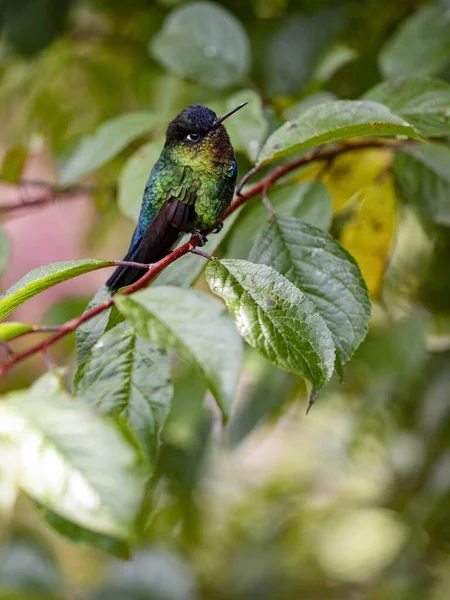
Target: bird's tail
[{"x": 159, "y": 239}]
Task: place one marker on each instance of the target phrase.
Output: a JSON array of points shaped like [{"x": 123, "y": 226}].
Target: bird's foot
[
  {"x": 218, "y": 228},
  {"x": 201, "y": 236}
]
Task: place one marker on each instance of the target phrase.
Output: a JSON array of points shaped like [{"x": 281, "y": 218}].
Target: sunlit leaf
[
  {"x": 126, "y": 376},
  {"x": 42, "y": 278},
  {"x": 276, "y": 318},
  {"x": 315, "y": 263},
  {"x": 108, "y": 140},
  {"x": 203, "y": 41},
  {"x": 195, "y": 324},
  {"x": 420, "y": 46},
  {"x": 423, "y": 173},
  {"x": 423, "y": 102},
  {"x": 73, "y": 461},
  {"x": 333, "y": 121},
  {"x": 134, "y": 176},
  {"x": 368, "y": 234}
]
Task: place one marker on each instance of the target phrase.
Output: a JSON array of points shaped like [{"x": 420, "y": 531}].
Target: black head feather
[{"x": 196, "y": 118}]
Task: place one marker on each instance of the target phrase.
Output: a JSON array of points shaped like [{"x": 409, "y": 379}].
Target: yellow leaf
[{"x": 368, "y": 234}]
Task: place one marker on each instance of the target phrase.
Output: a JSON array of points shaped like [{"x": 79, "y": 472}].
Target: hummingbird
[{"x": 188, "y": 190}]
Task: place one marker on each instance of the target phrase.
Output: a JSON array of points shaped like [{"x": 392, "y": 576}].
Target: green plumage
[{"x": 188, "y": 190}]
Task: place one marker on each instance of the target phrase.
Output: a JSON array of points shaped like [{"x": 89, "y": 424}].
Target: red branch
[{"x": 261, "y": 187}]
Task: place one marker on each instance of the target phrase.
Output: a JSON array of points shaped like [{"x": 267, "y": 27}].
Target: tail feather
[{"x": 160, "y": 237}]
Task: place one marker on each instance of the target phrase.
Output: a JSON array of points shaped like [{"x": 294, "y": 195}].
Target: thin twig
[
  {"x": 189, "y": 246},
  {"x": 203, "y": 253},
  {"x": 266, "y": 201}
]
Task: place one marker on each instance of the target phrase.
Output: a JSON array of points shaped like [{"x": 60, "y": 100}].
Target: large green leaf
[
  {"x": 276, "y": 318},
  {"x": 423, "y": 173},
  {"x": 248, "y": 128},
  {"x": 42, "y": 278},
  {"x": 203, "y": 41},
  {"x": 197, "y": 325},
  {"x": 134, "y": 176},
  {"x": 421, "y": 46},
  {"x": 309, "y": 201},
  {"x": 423, "y": 102},
  {"x": 127, "y": 376},
  {"x": 314, "y": 262},
  {"x": 108, "y": 140},
  {"x": 71, "y": 460},
  {"x": 332, "y": 121}
]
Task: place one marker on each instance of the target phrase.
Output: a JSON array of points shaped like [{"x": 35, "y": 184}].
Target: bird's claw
[
  {"x": 201, "y": 236},
  {"x": 218, "y": 228}
]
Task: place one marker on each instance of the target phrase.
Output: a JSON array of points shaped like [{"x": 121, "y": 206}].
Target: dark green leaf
[
  {"x": 421, "y": 45},
  {"x": 332, "y": 61},
  {"x": 308, "y": 201},
  {"x": 275, "y": 317},
  {"x": 197, "y": 325},
  {"x": 42, "y": 278},
  {"x": 73, "y": 461},
  {"x": 10, "y": 330},
  {"x": 108, "y": 140},
  {"x": 333, "y": 121},
  {"x": 423, "y": 173},
  {"x": 203, "y": 41},
  {"x": 314, "y": 262},
  {"x": 88, "y": 333},
  {"x": 126, "y": 376},
  {"x": 423, "y": 102},
  {"x": 134, "y": 176}
]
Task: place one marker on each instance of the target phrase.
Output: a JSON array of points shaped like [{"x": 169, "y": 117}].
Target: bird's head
[{"x": 198, "y": 129}]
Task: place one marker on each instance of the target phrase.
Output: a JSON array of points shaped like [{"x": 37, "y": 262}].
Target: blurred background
[{"x": 352, "y": 502}]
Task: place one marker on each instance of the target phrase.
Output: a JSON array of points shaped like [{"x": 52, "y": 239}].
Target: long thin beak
[{"x": 219, "y": 120}]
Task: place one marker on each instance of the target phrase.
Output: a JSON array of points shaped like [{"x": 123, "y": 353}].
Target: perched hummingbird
[{"x": 188, "y": 190}]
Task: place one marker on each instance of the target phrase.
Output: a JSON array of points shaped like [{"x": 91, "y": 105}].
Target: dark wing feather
[{"x": 160, "y": 237}]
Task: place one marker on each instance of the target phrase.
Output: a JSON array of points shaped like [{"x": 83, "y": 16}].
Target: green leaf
[
  {"x": 42, "y": 278},
  {"x": 4, "y": 251},
  {"x": 73, "y": 461},
  {"x": 28, "y": 567},
  {"x": 186, "y": 271},
  {"x": 276, "y": 318},
  {"x": 126, "y": 376},
  {"x": 10, "y": 330},
  {"x": 309, "y": 201},
  {"x": 203, "y": 41},
  {"x": 195, "y": 324},
  {"x": 330, "y": 122},
  {"x": 314, "y": 262},
  {"x": 88, "y": 333},
  {"x": 13, "y": 164},
  {"x": 423, "y": 173},
  {"x": 421, "y": 45},
  {"x": 332, "y": 61},
  {"x": 248, "y": 128},
  {"x": 134, "y": 176},
  {"x": 108, "y": 140},
  {"x": 423, "y": 102}
]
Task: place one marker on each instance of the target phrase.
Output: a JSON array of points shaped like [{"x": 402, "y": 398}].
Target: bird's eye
[{"x": 193, "y": 137}]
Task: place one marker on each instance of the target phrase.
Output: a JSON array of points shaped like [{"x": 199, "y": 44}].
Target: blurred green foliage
[{"x": 351, "y": 502}]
